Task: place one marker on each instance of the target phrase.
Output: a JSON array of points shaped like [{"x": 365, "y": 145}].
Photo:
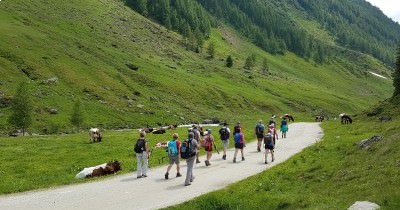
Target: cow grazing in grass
[
  {"x": 319, "y": 118},
  {"x": 95, "y": 135},
  {"x": 345, "y": 119}
]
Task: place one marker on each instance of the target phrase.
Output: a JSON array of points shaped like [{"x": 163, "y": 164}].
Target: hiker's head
[
  {"x": 225, "y": 124},
  {"x": 175, "y": 136},
  {"x": 191, "y": 135},
  {"x": 260, "y": 121},
  {"x": 142, "y": 134}
]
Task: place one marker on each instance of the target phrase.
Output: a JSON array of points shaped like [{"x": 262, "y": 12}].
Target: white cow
[{"x": 95, "y": 135}]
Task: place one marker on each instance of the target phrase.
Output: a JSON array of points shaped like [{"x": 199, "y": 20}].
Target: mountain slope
[{"x": 130, "y": 71}]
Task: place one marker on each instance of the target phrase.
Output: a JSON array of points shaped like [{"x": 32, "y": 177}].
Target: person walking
[
  {"x": 197, "y": 137},
  {"x": 259, "y": 132},
  {"x": 191, "y": 150},
  {"x": 224, "y": 134},
  {"x": 208, "y": 142},
  {"x": 272, "y": 120},
  {"x": 284, "y": 127},
  {"x": 142, "y": 151},
  {"x": 173, "y": 148},
  {"x": 240, "y": 143},
  {"x": 273, "y": 132},
  {"x": 269, "y": 146}
]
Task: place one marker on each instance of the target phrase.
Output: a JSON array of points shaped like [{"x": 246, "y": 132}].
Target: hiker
[
  {"x": 272, "y": 130},
  {"x": 272, "y": 120},
  {"x": 188, "y": 151},
  {"x": 269, "y": 146},
  {"x": 259, "y": 132},
  {"x": 284, "y": 127},
  {"x": 237, "y": 128},
  {"x": 142, "y": 155},
  {"x": 240, "y": 143},
  {"x": 173, "y": 148},
  {"x": 208, "y": 142},
  {"x": 196, "y": 133},
  {"x": 224, "y": 133}
]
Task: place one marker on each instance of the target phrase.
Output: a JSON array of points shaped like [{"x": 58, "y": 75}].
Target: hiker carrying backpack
[
  {"x": 188, "y": 149},
  {"x": 260, "y": 129},
  {"x": 140, "y": 146},
  {"x": 173, "y": 148},
  {"x": 268, "y": 141},
  {"x": 224, "y": 133}
]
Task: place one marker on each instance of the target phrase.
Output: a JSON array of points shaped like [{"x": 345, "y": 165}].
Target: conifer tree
[
  {"x": 22, "y": 106},
  {"x": 211, "y": 50},
  {"x": 396, "y": 75},
  {"x": 229, "y": 62},
  {"x": 265, "y": 67},
  {"x": 77, "y": 115}
]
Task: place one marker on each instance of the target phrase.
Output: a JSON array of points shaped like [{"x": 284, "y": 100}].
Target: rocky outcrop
[
  {"x": 366, "y": 143},
  {"x": 364, "y": 205}
]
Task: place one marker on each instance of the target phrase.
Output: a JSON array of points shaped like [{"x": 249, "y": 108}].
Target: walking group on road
[{"x": 189, "y": 148}]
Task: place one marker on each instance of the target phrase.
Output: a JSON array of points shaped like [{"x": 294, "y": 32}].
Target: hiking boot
[
  {"x": 207, "y": 163},
  {"x": 198, "y": 161},
  {"x": 258, "y": 149},
  {"x": 242, "y": 158},
  {"x": 178, "y": 174},
  {"x": 234, "y": 160},
  {"x": 144, "y": 176},
  {"x": 273, "y": 159},
  {"x": 166, "y": 176},
  {"x": 224, "y": 157},
  {"x": 187, "y": 184},
  {"x": 266, "y": 162}
]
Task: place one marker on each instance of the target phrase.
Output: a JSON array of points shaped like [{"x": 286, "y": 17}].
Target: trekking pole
[{"x": 215, "y": 146}]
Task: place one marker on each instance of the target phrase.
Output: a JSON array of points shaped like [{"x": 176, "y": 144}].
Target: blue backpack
[
  {"x": 238, "y": 138},
  {"x": 172, "y": 148}
]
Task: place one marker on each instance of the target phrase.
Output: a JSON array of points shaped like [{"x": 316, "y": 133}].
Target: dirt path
[{"x": 128, "y": 192}]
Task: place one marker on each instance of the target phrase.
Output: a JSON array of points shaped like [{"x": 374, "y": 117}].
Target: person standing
[
  {"x": 173, "y": 148},
  {"x": 224, "y": 134},
  {"x": 269, "y": 146},
  {"x": 284, "y": 127},
  {"x": 208, "y": 145},
  {"x": 192, "y": 148},
  {"x": 142, "y": 155},
  {"x": 240, "y": 143},
  {"x": 259, "y": 132},
  {"x": 237, "y": 128}
]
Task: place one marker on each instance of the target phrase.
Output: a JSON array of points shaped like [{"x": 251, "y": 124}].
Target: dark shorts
[
  {"x": 260, "y": 136},
  {"x": 269, "y": 146},
  {"x": 239, "y": 145}
]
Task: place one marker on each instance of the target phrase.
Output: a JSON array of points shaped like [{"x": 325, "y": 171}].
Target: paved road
[{"x": 128, "y": 192}]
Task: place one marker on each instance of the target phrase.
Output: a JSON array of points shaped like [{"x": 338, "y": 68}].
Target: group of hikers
[{"x": 189, "y": 149}]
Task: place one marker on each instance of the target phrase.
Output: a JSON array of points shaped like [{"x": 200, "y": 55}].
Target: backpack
[
  {"x": 223, "y": 132},
  {"x": 259, "y": 129},
  {"x": 268, "y": 139},
  {"x": 238, "y": 138},
  {"x": 140, "y": 146},
  {"x": 173, "y": 148},
  {"x": 187, "y": 149}
]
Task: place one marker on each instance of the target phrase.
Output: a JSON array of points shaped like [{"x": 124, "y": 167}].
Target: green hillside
[{"x": 129, "y": 71}]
